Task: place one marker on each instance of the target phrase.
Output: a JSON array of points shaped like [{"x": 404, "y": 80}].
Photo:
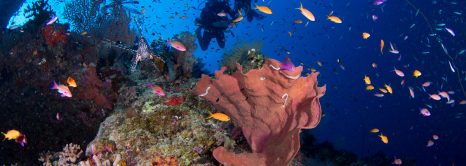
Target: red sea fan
[
  {"x": 270, "y": 105},
  {"x": 92, "y": 88},
  {"x": 53, "y": 37}
]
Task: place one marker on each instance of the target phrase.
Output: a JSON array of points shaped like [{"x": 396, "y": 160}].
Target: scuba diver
[
  {"x": 214, "y": 21},
  {"x": 245, "y": 5}
]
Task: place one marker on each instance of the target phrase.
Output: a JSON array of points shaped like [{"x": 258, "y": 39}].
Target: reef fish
[
  {"x": 71, "y": 82},
  {"x": 365, "y": 35},
  {"x": 389, "y": 88},
  {"x": 156, "y": 89},
  {"x": 375, "y": 130},
  {"x": 306, "y": 13},
  {"x": 397, "y": 161},
  {"x": 382, "y": 45},
  {"x": 177, "y": 45},
  {"x": 383, "y": 138},
  {"x": 398, "y": 72},
  {"x": 62, "y": 89},
  {"x": 430, "y": 143},
  {"x": 370, "y": 87},
  {"x": 264, "y": 9},
  {"x": 424, "y": 112},
  {"x": 287, "y": 65},
  {"x": 334, "y": 19},
  {"x": 393, "y": 50},
  {"x": 379, "y": 2},
  {"x": 435, "y": 97},
  {"x": 51, "y": 21},
  {"x": 417, "y": 73},
  {"x": 15, "y": 135},
  {"x": 367, "y": 80},
  {"x": 411, "y": 92},
  {"x": 11, "y": 134},
  {"x": 219, "y": 116}
]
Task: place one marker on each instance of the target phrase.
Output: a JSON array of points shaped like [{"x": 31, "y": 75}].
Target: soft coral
[{"x": 53, "y": 37}]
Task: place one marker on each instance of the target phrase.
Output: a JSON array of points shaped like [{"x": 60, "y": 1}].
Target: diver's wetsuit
[
  {"x": 213, "y": 24},
  {"x": 245, "y": 5}
]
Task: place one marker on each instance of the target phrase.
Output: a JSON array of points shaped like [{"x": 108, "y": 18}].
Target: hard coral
[
  {"x": 270, "y": 105},
  {"x": 53, "y": 37}
]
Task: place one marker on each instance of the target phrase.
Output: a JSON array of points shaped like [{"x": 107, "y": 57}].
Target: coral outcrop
[
  {"x": 92, "y": 88},
  {"x": 270, "y": 105}
]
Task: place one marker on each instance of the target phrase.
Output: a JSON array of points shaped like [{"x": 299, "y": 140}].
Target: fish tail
[
  {"x": 300, "y": 6},
  {"x": 54, "y": 85}
]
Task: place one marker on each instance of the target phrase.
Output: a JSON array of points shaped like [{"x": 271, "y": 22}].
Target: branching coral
[
  {"x": 270, "y": 105},
  {"x": 70, "y": 154}
]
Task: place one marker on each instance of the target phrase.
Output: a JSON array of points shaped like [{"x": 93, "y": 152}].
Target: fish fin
[{"x": 54, "y": 85}]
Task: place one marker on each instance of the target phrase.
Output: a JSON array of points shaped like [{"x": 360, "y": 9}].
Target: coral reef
[
  {"x": 151, "y": 132},
  {"x": 248, "y": 55},
  {"x": 28, "y": 66},
  {"x": 53, "y": 37},
  {"x": 179, "y": 64},
  {"x": 92, "y": 88},
  {"x": 249, "y": 99}
]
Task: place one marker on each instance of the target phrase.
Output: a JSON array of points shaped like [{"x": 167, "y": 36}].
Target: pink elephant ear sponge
[{"x": 270, "y": 105}]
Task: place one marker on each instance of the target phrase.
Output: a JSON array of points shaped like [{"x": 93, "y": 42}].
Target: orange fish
[
  {"x": 298, "y": 21},
  {"x": 383, "y": 138},
  {"x": 375, "y": 130},
  {"x": 71, "y": 82},
  {"x": 264, "y": 9},
  {"x": 367, "y": 80},
  {"x": 219, "y": 116},
  {"x": 334, "y": 19},
  {"x": 369, "y": 87},
  {"x": 383, "y": 90},
  {"x": 306, "y": 13},
  {"x": 382, "y": 45},
  {"x": 389, "y": 88},
  {"x": 417, "y": 73},
  {"x": 365, "y": 35}
]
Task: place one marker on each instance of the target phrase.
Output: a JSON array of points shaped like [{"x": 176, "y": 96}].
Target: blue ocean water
[{"x": 414, "y": 27}]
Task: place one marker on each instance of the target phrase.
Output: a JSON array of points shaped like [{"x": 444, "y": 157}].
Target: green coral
[{"x": 248, "y": 55}]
